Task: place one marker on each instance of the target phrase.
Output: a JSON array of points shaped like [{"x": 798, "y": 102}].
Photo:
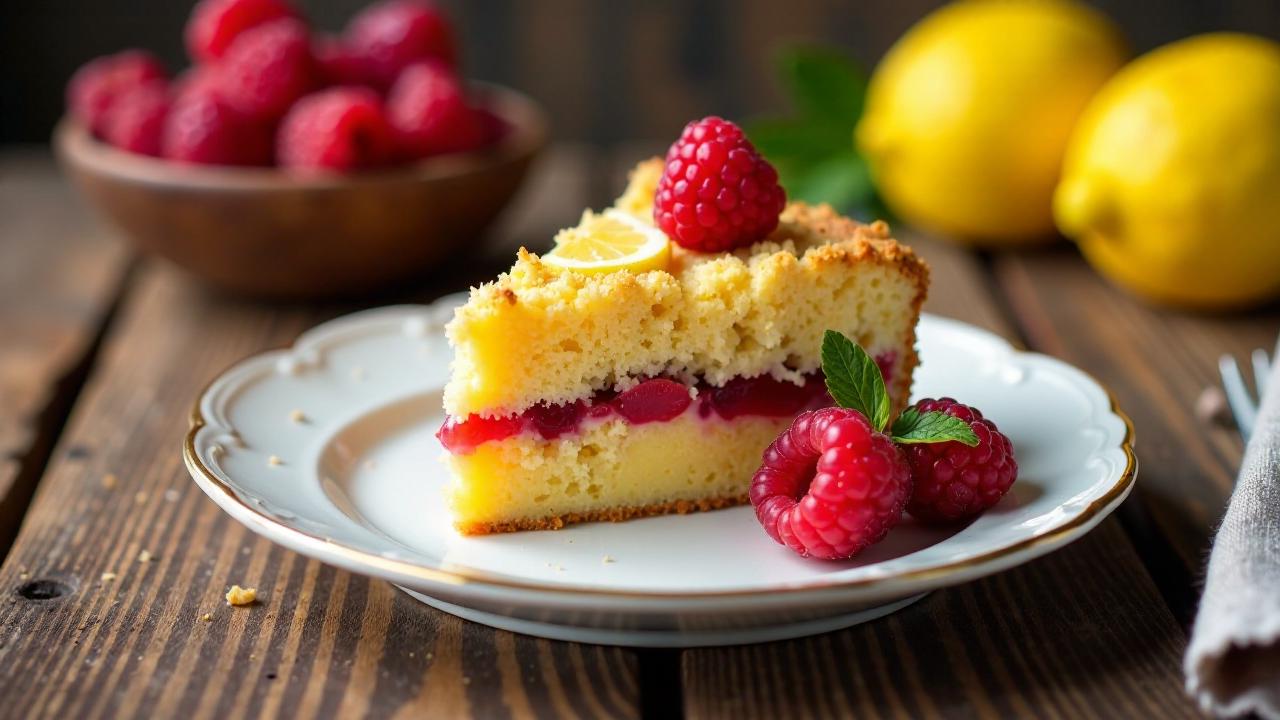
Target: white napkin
[{"x": 1233, "y": 661}]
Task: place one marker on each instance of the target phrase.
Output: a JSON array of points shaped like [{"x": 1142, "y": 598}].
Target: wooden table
[{"x": 102, "y": 353}]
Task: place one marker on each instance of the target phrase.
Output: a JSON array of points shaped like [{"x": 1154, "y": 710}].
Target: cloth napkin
[{"x": 1233, "y": 661}]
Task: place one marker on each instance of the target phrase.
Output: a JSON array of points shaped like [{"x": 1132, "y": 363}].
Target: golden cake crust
[
  {"x": 614, "y": 514},
  {"x": 707, "y": 318}
]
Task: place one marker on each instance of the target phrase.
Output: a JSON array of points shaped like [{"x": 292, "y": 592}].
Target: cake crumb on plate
[
  {"x": 274, "y": 461},
  {"x": 241, "y": 596}
]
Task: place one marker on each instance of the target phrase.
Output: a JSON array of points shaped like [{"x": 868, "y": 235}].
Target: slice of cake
[{"x": 579, "y": 397}]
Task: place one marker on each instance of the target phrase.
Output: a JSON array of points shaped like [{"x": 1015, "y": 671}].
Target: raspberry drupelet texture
[
  {"x": 337, "y": 129},
  {"x": 954, "y": 481},
  {"x": 215, "y": 23},
  {"x": 95, "y": 86},
  {"x": 427, "y": 107},
  {"x": 266, "y": 69},
  {"x": 389, "y": 36},
  {"x": 717, "y": 193},
  {"x": 830, "y": 486},
  {"x": 135, "y": 121}
]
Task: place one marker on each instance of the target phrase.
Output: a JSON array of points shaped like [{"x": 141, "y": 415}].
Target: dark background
[{"x": 607, "y": 70}]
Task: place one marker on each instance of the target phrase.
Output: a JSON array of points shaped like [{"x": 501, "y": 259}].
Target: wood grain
[
  {"x": 1082, "y": 632},
  {"x": 59, "y": 273},
  {"x": 320, "y": 643},
  {"x": 1157, "y": 362}
]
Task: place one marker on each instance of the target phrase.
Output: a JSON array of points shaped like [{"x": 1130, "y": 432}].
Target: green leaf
[
  {"x": 792, "y": 139},
  {"x": 854, "y": 379},
  {"x": 932, "y": 427},
  {"x": 841, "y": 179},
  {"x": 825, "y": 84}
]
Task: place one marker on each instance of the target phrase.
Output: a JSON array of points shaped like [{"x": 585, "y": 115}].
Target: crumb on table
[
  {"x": 144, "y": 556},
  {"x": 140, "y": 498},
  {"x": 207, "y": 617},
  {"x": 108, "y": 576},
  {"x": 109, "y": 480},
  {"x": 241, "y": 596}
]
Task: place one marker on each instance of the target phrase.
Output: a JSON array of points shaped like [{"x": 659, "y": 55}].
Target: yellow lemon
[
  {"x": 967, "y": 116},
  {"x": 609, "y": 242},
  {"x": 1172, "y": 180}
]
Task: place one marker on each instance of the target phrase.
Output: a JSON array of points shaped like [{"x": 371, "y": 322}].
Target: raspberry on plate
[
  {"x": 95, "y": 86},
  {"x": 202, "y": 129},
  {"x": 830, "y": 485},
  {"x": 717, "y": 193},
  {"x": 215, "y": 23},
  {"x": 266, "y": 69},
  {"x": 389, "y": 36},
  {"x": 427, "y": 107},
  {"x": 954, "y": 481},
  {"x": 135, "y": 121},
  {"x": 336, "y": 129},
  {"x": 835, "y": 481}
]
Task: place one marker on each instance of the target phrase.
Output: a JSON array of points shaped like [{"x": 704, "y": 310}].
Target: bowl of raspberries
[{"x": 289, "y": 163}]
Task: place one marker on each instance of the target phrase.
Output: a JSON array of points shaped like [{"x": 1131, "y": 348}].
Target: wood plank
[
  {"x": 59, "y": 274},
  {"x": 321, "y": 643},
  {"x": 1080, "y": 633},
  {"x": 1157, "y": 362}
]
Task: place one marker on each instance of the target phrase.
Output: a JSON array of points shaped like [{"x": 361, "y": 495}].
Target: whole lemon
[
  {"x": 1172, "y": 179},
  {"x": 967, "y": 116}
]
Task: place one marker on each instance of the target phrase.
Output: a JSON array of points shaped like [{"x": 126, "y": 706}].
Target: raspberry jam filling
[{"x": 652, "y": 400}]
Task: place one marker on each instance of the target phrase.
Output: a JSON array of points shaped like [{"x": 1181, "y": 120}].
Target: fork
[{"x": 1244, "y": 406}]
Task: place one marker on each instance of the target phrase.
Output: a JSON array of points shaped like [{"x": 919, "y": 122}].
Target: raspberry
[
  {"x": 202, "y": 129},
  {"x": 954, "y": 481},
  {"x": 266, "y": 69},
  {"x": 96, "y": 85},
  {"x": 654, "y": 400},
  {"x": 215, "y": 23},
  {"x": 462, "y": 437},
  {"x": 135, "y": 121},
  {"x": 338, "y": 64},
  {"x": 336, "y": 129},
  {"x": 829, "y": 486},
  {"x": 428, "y": 109},
  {"x": 717, "y": 193},
  {"x": 389, "y": 36}
]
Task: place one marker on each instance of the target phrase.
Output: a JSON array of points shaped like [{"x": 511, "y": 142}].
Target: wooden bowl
[{"x": 266, "y": 233}]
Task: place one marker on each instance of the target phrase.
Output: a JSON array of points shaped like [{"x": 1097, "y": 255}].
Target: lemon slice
[{"x": 610, "y": 242}]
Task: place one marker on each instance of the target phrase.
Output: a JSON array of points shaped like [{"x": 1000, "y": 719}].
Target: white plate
[{"x": 357, "y": 484}]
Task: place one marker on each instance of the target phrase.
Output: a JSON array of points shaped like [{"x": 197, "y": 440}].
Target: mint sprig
[
  {"x": 913, "y": 426},
  {"x": 812, "y": 145},
  {"x": 855, "y": 382},
  {"x": 854, "y": 379}
]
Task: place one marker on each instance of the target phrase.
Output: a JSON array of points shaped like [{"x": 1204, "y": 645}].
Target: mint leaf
[
  {"x": 841, "y": 180},
  {"x": 854, "y": 379},
  {"x": 932, "y": 427},
  {"x": 825, "y": 83},
  {"x": 813, "y": 149}
]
